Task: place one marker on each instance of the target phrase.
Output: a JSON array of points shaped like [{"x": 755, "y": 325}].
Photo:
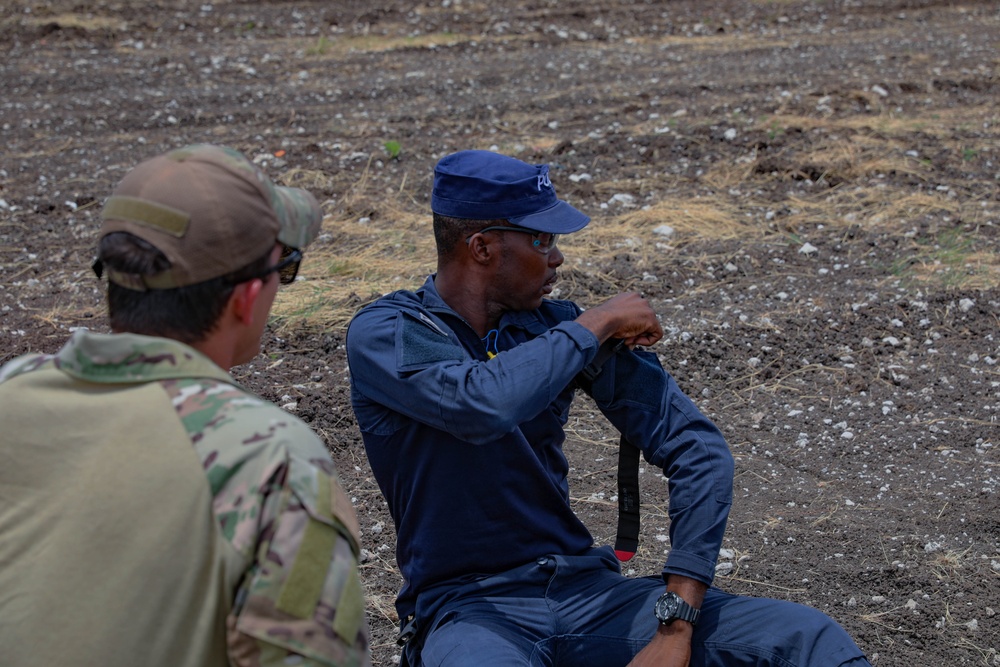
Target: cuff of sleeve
[
  {"x": 689, "y": 565},
  {"x": 582, "y": 336}
]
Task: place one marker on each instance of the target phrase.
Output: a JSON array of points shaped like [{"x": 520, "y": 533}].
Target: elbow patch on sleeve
[
  {"x": 708, "y": 458},
  {"x": 420, "y": 342}
]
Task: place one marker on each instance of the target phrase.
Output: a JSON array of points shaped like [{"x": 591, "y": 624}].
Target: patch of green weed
[
  {"x": 321, "y": 47},
  {"x": 774, "y": 130},
  {"x": 392, "y": 148},
  {"x": 947, "y": 258},
  {"x": 339, "y": 267}
]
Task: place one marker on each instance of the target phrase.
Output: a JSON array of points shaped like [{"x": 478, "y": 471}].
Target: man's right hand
[{"x": 627, "y": 316}]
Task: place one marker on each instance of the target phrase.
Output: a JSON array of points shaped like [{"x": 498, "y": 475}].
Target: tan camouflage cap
[{"x": 210, "y": 211}]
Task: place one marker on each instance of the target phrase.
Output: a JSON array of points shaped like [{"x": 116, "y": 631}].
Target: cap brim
[
  {"x": 559, "y": 219},
  {"x": 299, "y": 214}
]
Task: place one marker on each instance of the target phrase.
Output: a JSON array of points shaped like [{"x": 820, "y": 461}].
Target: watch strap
[{"x": 681, "y": 610}]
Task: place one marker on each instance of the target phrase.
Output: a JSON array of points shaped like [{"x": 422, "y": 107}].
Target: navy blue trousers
[{"x": 579, "y": 611}]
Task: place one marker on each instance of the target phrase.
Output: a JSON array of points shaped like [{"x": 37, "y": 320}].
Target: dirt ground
[{"x": 807, "y": 191}]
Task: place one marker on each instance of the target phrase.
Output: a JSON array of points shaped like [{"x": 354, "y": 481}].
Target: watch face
[{"x": 666, "y": 607}]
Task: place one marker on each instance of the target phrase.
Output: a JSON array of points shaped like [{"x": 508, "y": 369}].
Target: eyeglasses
[
  {"x": 543, "y": 242},
  {"x": 286, "y": 268}
]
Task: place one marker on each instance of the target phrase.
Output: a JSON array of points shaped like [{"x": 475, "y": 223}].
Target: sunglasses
[
  {"x": 543, "y": 242},
  {"x": 286, "y": 268}
]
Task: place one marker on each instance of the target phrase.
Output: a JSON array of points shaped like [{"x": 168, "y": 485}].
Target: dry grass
[
  {"x": 353, "y": 261},
  {"x": 375, "y": 43}
]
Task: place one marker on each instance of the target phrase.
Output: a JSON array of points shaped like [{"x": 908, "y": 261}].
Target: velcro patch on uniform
[
  {"x": 148, "y": 213},
  {"x": 420, "y": 343},
  {"x": 302, "y": 588}
]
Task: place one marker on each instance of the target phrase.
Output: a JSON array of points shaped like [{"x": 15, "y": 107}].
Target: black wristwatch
[{"x": 671, "y": 607}]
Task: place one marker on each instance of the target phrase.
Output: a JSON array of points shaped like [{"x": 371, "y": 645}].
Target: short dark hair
[
  {"x": 449, "y": 232},
  {"x": 187, "y": 314}
]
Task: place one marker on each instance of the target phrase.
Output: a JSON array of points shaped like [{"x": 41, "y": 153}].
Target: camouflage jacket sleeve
[{"x": 280, "y": 506}]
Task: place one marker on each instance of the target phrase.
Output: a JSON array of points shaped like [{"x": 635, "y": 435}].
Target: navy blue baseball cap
[{"x": 482, "y": 185}]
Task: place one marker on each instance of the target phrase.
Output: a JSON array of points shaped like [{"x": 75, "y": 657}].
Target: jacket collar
[{"x": 132, "y": 358}]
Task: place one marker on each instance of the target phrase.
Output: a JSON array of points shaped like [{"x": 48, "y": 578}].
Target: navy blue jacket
[{"x": 468, "y": 451}]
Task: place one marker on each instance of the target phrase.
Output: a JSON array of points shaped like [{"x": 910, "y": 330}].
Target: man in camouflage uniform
[{"x": 152, "y": 511}]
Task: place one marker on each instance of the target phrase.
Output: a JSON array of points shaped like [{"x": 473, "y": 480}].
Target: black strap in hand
[{"x": 627, "y": 541}]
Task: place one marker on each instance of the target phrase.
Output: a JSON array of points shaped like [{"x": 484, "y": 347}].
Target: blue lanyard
[{"x": 490, "y": 341}]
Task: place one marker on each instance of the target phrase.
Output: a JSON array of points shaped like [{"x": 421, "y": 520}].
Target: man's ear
[
  {"x": 482, "y": 248},
  {"x": 243, "y": 298}
]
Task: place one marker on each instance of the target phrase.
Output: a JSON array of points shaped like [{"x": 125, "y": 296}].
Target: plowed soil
[{"x": 807, "y": 191}]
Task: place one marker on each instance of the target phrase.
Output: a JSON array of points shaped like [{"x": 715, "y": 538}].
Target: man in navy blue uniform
[{"x": 461, "y": 390}]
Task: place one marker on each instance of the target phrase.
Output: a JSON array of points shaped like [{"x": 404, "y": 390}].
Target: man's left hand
[{"x": 670, "y": 647}]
